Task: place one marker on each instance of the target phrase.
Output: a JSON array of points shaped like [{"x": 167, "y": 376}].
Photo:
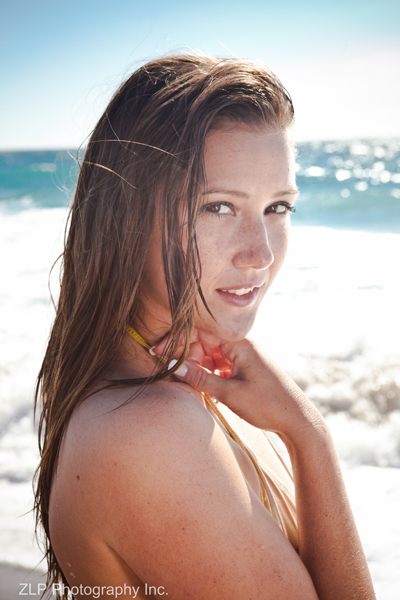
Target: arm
[
  {"x": 328, "y": 539},
  {"x": 262, "y": 394}
]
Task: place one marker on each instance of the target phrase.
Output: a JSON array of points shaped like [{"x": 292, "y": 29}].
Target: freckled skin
[{"x": 241, "y": 242}]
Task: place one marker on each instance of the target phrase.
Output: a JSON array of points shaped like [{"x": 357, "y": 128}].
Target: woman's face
[{"x": 242, "y": 231}]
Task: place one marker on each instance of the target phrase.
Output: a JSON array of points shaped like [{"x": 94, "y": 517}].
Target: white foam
[
  {"x": 17, "y": 542},
  {"x": 375, "y": 499},
  {"x": 358, "y": 443}
]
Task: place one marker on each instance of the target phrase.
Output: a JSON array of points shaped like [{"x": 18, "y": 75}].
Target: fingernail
[
  {"x": 151, "y": 351},
  {"x": 181, "y": 372}
]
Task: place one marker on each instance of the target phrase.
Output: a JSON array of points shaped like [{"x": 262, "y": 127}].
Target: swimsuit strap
[
  {"x": 278, "y": 455},
  {"x": 136, "y": 336},
  {"x": 264, "y": 476},
  {"x": 268, "y": 481}
]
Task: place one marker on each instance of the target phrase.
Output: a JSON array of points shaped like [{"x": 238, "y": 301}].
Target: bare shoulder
[
  {"x": 126, "y": 417},
  {"x": 123, "y": 435},
  {"x": 169, "y": 498}
]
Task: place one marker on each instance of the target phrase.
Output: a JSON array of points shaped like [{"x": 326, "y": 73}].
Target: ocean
[{"x": 331, "y": 319}]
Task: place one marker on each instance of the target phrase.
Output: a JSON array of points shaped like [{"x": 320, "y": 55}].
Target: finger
[
  {"x": 211, "y": 350},
  {"x": 196, "y": 353},
  {"x": 221, "y": 363},
  {"x": 208, "y": 364},
  {"x": 202, "y": 380},
  {"x": 240, "y": 356}
]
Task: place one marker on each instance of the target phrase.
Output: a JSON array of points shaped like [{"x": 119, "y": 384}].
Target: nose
[{"x": 253, "y": 248}]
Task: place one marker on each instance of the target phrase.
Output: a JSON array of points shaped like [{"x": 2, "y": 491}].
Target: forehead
[{"x": 248, "y": 156}]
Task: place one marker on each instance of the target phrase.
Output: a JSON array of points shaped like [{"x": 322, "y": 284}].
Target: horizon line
[{"x": 58, "y": 148}]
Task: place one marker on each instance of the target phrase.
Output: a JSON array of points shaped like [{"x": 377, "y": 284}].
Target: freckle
[{"x": 78, "y": 477}]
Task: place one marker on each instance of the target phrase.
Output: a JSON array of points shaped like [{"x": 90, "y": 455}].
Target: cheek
[{"x": 215, "y": 256}]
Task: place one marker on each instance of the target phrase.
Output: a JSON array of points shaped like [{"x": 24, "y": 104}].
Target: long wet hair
[{"x": 143, "y": 161}]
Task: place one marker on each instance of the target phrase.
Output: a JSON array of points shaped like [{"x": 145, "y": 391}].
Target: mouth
[
  {"x": 240, "y": 292},
  {"x": 242, "y": 296}
]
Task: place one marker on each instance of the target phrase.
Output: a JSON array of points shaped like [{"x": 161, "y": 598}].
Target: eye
[
  {"x": 219, "y": 208},
  {"x": 280, "y": 208}
]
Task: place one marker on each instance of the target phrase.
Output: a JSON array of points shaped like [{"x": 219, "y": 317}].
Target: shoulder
[
  {"x": 139, "y": 428},
  {"x": 160, "y": 485},
  {"x": 154, "y": 457},
  {"x": 141, "y": 413}
]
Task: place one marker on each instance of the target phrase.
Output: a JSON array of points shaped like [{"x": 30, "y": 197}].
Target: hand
[
  {"x": 251, "y": 385},
  {"x": 202, "y": 353}
]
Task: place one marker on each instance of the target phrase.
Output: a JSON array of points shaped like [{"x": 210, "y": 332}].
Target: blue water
[
  {"x": 42, "y": 179},
  {"x": 345, "y": 185},
  {"x": 350, "y": 185}
]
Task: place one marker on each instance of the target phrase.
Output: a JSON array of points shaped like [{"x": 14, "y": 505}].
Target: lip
[{"x": 244, "y": 300}]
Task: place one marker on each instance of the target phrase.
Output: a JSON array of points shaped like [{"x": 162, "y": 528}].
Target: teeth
[{"x": 241, "y": 292}]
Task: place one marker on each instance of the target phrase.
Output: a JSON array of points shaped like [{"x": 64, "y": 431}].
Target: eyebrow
[{"x": 289, "y": 192}]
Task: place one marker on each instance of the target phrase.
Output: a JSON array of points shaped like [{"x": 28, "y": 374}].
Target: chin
[{"x": 216, "y": 334}]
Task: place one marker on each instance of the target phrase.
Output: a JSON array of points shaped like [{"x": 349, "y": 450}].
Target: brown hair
[{"x": 144, "y": 158}]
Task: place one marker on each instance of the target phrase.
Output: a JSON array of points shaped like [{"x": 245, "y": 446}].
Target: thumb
[{"x": 203, "y": 380}]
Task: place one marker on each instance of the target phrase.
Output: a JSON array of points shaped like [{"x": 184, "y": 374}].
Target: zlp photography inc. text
[{"x": 95, "y": 591}]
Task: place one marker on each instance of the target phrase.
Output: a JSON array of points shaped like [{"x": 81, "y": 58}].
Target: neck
[
  {"x": 132, "y": 360},
  {"x": 152, "y": 336},
  {"x": 152, "y": 324}
]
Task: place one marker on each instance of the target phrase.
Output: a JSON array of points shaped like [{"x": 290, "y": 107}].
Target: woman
[{"x": 178, "y": 227}]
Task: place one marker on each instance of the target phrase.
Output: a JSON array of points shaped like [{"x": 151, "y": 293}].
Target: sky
[{"x": 61, "y": 61}]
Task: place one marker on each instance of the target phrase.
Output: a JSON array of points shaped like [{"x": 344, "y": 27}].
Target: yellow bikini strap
[
  {"x": 138, "y": 338},
  {"x": 134, "y": 334}
]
